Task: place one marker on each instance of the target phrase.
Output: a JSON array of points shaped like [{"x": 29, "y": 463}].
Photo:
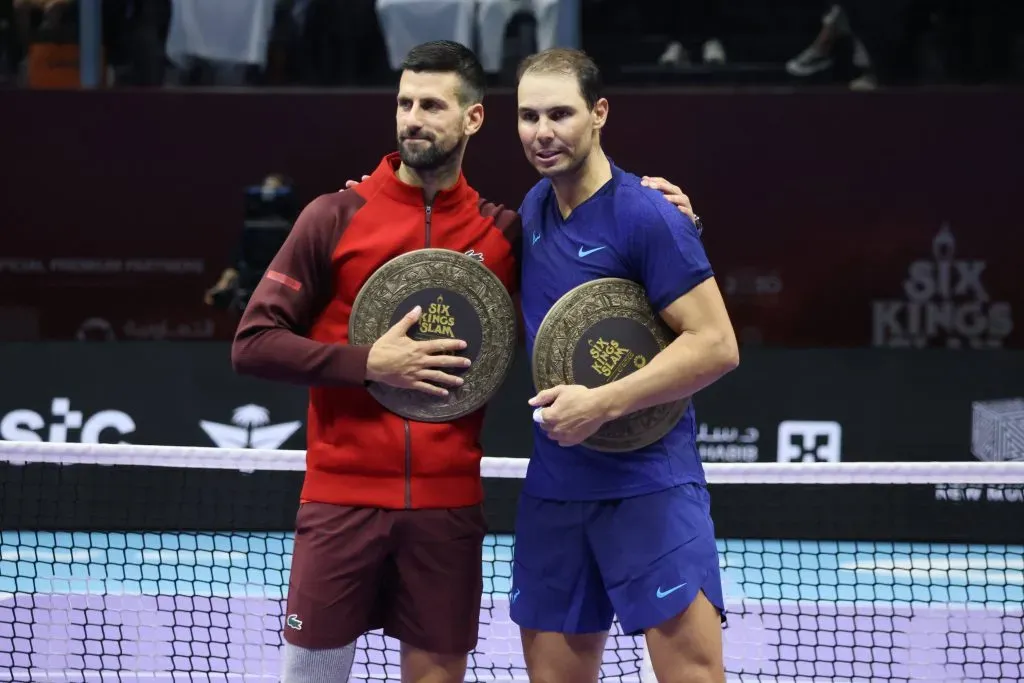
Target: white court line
[
  {"x": 993, "y": 577},
  {"x": 948, "y": 563},
  {"x": 1006, "y": 607},
  {"x": 212, "y": 559},
  {"x": 754, "y": 607},
  {"x": 500, "y": 598},
  {"x": 995, "y": 571}
]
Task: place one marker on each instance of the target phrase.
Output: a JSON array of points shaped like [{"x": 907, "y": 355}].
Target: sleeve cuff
[
  {"x": 348, "y": 364},
  {"x": 666, "y": 300}
]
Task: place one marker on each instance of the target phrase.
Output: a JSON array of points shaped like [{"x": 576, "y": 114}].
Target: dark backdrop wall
[{"x": 833, "y": 219}]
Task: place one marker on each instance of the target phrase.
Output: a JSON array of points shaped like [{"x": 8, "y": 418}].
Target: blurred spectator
[
  {"x": 339, "y": 43},
  {"x": 30, "y": 18},
  {"x": 133, "y": 35},
  {"x": 891, "y": 32},
  {"x": 277, "y": 42},
  {"x": 137, "y": 37},
  {"x": 903, "y": 42},
  {"x": 866, "y": 43},
  {"x": 819, "y": 56},
  {"x": 31, "y": 15},
  {"x": 219, "y": 40},
  {"x": 270, "y": 212},
  {"x": 696, "y": 29}
]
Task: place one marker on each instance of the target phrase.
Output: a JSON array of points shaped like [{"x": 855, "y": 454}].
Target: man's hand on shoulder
[
  {"x": 349, "y": 184},
  {"x": 400, "y": 361},
  {"x": 673, "y": 193}
]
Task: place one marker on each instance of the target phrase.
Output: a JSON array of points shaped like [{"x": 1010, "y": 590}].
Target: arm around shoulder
[{"x": 270, "y": 341}]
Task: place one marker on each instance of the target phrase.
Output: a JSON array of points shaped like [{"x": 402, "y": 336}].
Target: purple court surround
[{"x": 75, "y": 637}]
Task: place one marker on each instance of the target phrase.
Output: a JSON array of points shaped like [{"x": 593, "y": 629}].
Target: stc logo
[{"x": 28, "y": 425}]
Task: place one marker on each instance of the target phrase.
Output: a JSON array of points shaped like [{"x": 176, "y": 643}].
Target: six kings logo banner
[{"x": 945, "y": 304}]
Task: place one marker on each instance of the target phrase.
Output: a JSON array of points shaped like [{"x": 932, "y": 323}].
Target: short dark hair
[
  {"x": 568, "y": 61},
  {"x": 447, "y": 56}
]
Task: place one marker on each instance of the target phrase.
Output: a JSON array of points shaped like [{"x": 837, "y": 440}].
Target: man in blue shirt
[{"x": 602, "y": 533}]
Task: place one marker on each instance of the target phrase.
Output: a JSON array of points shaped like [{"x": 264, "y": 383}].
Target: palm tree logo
[
  {"x": 249, "y": 416},
  {"x": 250, "y": 428}
]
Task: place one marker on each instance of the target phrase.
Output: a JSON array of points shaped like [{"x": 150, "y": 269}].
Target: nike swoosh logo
[
  {"x": 660, "y": 593},
  {"x": 588, "y": 252}
]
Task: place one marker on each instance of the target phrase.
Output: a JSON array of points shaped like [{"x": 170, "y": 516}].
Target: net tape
[
  {"x": 210, "y": 606},
  {"x": 251, "y": 460}
]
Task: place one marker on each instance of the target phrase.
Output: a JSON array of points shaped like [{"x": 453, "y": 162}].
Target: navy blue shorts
[{"x": 578, "y": 563}]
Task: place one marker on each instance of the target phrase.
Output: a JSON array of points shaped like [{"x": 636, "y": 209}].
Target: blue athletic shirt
[{"x": 624, "y": 230}]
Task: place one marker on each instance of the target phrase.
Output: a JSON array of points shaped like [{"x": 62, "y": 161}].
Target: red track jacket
[{"x": 295, "y": 329}]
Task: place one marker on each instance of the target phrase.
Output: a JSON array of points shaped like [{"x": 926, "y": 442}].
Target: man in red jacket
[{"x": 390, "y": 529}]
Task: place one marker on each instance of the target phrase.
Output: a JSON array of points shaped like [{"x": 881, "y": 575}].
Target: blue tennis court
[{"x": 208, "y": 607}]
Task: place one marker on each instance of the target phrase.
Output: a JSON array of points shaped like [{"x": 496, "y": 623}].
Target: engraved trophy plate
[
  {"x": 461, "y": 299},
  {"x": 596, "y": 333}
]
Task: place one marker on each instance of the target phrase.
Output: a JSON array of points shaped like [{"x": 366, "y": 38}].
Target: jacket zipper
[
  {"x": 408, "y": 429},
  {"x": 427, "y": 245}
]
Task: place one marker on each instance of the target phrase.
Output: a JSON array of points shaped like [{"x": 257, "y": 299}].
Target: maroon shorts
[{"x": 416, "y": 574}]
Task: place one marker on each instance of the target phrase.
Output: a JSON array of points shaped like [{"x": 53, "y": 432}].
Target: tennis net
[{"x": 143, "y": 563}]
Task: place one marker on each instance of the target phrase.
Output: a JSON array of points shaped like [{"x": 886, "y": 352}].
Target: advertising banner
[
  {"x": 832, "y": 220},
  {"x": 787, "y": 406}
]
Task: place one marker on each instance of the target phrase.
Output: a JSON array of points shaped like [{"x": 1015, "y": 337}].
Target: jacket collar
[{"x": 385, "y": 176}]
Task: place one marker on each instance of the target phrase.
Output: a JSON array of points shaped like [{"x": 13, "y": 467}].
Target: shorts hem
[
  {"x": 638, "y": 630},
  {"x": 325, "y": 643},
  {"x": 433, "y": 647},
  {"x": 545, "y": 626}
]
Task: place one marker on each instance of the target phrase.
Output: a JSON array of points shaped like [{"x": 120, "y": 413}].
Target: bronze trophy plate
[
  {"x": 596, "y": 333},
  {"x": 461, "y": 299}
]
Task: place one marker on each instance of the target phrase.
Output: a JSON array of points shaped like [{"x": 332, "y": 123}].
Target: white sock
[{"x": 317, "y": 666}]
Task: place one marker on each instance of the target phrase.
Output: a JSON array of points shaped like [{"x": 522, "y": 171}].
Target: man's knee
[
  {"x": 563, "y": 658},
  {"x": 329, "y": 665},
  {"x": 422, "y": 666}
]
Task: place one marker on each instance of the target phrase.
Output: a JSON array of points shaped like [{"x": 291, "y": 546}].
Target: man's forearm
[
  {"x": 687, "y": 365},
  {"x": 281, "y": 355}
]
